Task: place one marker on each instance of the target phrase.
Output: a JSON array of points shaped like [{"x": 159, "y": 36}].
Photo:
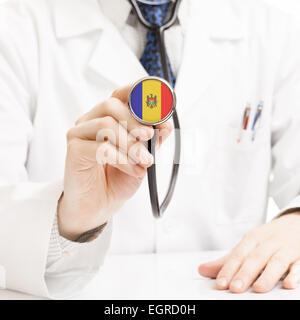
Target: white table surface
[{"x": 162, "y": 276}]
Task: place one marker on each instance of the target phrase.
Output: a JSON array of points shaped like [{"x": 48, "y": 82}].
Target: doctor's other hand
[
  {"x": 106, "y": 161},
  {"x": 261, "y": 259}
]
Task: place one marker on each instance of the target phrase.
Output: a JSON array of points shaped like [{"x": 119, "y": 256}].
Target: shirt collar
[
  {"x": 117, "y": 11},
  {"x": 76, "y": 17},
  {"x": 120, "y": 17}
]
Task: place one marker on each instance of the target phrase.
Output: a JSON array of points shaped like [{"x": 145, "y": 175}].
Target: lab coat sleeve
[
  {"x": 28, "y": 209},
  {"x": 285, "y": 186},
  {"x": 70, "y": 265}
]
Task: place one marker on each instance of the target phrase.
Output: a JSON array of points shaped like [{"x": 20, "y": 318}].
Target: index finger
[{"x": 234, "y": 262}]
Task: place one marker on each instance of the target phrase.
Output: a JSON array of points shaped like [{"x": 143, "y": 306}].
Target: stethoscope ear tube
[{"x": 157, "y": 209}]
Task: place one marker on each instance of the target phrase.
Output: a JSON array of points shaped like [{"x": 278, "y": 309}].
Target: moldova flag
[{"x": 151, "y": 101}]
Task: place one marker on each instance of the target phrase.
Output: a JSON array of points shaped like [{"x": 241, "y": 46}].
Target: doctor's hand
[
  {"x": 106, "y": 160},
  {"x": 261, "y": 259}
]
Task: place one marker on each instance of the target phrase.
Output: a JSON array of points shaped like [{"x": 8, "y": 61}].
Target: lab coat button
[
  {"x": 65, "y": 253},
  {"x": 168, "y": 227}
]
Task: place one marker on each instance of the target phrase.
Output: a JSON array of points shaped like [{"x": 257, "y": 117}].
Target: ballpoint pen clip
[
  {"x": 256, "y": 119},
  {"x": 245, "y": 121}
]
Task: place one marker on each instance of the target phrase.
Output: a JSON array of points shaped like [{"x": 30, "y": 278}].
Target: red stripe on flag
[{"x": 166, "y": 101}]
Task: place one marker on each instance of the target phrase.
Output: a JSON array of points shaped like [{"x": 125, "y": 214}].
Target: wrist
[
  {"x": 64, "y": 228},
  {"x": 72, "y": 227},
  {"x": 91, "y": 234}
]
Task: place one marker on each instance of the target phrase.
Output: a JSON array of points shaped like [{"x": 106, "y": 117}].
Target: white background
[{"x": 289, "y": 6}]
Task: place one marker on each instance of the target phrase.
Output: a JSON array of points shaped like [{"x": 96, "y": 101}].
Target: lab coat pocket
[{"x": 241, "y": 175}]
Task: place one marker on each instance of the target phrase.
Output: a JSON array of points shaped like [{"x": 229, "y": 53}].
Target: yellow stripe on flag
[{"x": 152, "y": 87}]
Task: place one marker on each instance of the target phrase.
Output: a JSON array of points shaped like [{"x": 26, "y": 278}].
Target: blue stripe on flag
[{"x": 137, "y": 100}]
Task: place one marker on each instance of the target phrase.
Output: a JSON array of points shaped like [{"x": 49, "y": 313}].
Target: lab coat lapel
[
  {"x": 211, "y": 23},
  {"x": 76, "y": 17},
  {"x": 114, "y": 60},
  {"x": 111, "y": 58}
]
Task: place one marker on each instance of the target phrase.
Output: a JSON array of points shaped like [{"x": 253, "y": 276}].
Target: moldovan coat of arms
[{"x": 151, "y": 101}]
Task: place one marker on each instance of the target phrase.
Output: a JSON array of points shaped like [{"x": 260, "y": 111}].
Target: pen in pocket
[
  {"x": 256, "y": 119},
  {"x": 245, "y": 121}
]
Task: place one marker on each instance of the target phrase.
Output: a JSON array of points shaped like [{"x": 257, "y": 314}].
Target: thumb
[
  {"x": 212, "y": 268},
  {"x": 122, "y": 93}
]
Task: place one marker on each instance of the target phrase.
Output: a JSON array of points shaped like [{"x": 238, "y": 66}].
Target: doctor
[{"x": 65, "y": 67}]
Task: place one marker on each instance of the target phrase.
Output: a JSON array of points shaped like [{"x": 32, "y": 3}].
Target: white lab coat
[{"x": 59, "y": 58}]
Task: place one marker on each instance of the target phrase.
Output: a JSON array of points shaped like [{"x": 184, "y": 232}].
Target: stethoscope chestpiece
[{"x": 152, "y": 101}]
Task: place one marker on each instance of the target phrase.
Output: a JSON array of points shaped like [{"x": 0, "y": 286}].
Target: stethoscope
[{"x": 158, "y": 209}]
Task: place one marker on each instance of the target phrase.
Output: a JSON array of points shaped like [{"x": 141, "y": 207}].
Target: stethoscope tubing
[{"x": 158, "y": 209}]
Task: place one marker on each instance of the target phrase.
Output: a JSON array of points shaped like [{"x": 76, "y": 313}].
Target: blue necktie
[{"x": 155, "y": 14}]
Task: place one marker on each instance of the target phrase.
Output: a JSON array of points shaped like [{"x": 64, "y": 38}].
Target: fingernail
[
  {"x": 167, "y": 130},
  {"x": 237, "y": 284},
  {"x": 140, "y": 172},
  {"x": 222, "y": 282},
  {"x": 294, "y": 283},
  {"x": 148, "y": 133},
  {"x": 143, "y": 133},
  {"x": 145, "y": 157},
  {"x": 170, "y": 125}
]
